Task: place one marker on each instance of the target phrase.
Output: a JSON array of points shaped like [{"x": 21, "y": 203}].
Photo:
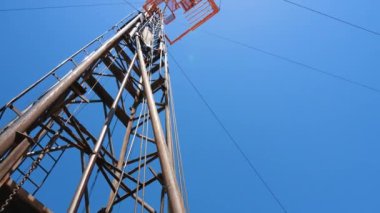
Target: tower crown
[{"x": 182, "y": 16}]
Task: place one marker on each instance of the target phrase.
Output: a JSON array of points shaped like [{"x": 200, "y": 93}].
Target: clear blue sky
[{"x": 315, "y": 139}]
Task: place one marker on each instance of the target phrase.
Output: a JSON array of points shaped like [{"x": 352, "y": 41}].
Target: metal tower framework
[{"x": 126, "y": 137}]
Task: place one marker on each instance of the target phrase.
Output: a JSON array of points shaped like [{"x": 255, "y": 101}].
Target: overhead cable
[
  {"x": 65, "y": 6},
  {"x": 333, "y": 17},
  {"x": 298, "y": 63},
  {"x": 230, "y": 137},
  {"x": 131, "y": 5}
]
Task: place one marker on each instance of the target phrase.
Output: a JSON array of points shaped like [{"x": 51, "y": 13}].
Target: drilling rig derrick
[{"x": 106, "y": 114}]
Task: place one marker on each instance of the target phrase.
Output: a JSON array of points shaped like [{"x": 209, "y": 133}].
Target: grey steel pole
[
  {"x": 175, "y": 199},
  {"x": 8, "y": 137},
  {"x": 168, "y": 125},
  {"x": 92, "y": 160}
]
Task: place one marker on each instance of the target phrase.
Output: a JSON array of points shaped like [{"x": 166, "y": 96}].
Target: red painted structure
[{"x": 195, "y": 12}]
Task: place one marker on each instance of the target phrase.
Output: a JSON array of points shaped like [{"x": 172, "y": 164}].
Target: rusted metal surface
[
  {"x": 8, "y": 137},
  {"x": 175, "y": 198},
  {"x": 50, "y": 125},
  {"x": 24, "y": 202}
]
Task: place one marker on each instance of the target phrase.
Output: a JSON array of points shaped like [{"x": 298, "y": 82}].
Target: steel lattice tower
[{"x": 127, "y": 135}]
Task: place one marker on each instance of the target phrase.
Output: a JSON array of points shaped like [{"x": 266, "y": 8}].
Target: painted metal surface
[{"x": 194, "y": 13}]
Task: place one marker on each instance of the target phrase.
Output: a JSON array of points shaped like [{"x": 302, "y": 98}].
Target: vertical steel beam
[
  {"x": 175, "y": 199},
  {"x": 162, "y": 201},
  {"x": 92, "y": 160},
  {"x": 86, "y": 195},
  {"x": 120, "y": 163},
  {"x": 168, "y": 125}
]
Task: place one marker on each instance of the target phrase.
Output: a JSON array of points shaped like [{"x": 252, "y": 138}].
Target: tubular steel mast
[{"x": 128, "y": 134}]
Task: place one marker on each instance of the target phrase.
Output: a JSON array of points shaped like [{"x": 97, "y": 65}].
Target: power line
[
  {"x": 332, "y": 17},
  {"x": 131, "y": 5},
  {"x": 230, "y": 137},
  {"x": 298, "y": 63},
  {"x": 65, "y": 6}
]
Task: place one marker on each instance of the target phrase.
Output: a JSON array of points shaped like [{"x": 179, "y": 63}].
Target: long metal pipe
[
  {"x": 175, "y": 199},
  {"x": 22, "y": 124},
  {"x": 64, "y": 62},
  {"x": 168, "y": 125},
  {"x": 120, "y": 163},
  {"x": 92, "y": 160}
]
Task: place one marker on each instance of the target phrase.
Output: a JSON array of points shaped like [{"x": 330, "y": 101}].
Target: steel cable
[
  {"x": 124, "y": 2},
  {"x": 129, "y": 151},
  {"x": 178, "y": 149},
  {"x": 230, "y": 137},
  {"x": 333, "y": 17},
  {"x": 140, "y": 157},
  {"x": 298, "y": 63}
]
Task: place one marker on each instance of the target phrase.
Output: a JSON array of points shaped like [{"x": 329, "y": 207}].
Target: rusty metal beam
[
  {"x": 94, "y": 155},
  {"x": 107, "y": 99},
  {"x": 22, "y": 124},
  {"x": 119, "y": 74},
  {"x": 127, "y": 58},
  {"x": 174, "y": 194}
]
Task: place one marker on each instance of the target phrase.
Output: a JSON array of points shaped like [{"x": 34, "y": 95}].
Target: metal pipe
[
  {"x": 168, "y": 125},
  {"x": 121, "y": 161},
  {"x": 8, "y": 137},
  {"x": 174, "y": 195},
  {"x": 125, "y": 144},
  {"x": 86, "y": 195},
  {"x": 92, "y": 160},
  {"x": 162, "y": 201}
]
